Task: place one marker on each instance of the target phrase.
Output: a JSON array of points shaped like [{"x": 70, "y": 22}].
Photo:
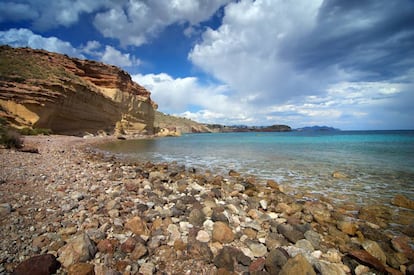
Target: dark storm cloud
[{"x": 373, "y": 40}]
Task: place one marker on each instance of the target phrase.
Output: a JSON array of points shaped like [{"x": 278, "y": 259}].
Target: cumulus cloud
[
  {"x": 204, "y": 102},
  {"x": 347, "y": 105},
  {"x": 244, "y": 51},
  {"x": 115, "y": 57},
  {"x": 46, "y": 15},
  {"x": 282, "y": 55},
  {"x": 26, "y": 38},
  {"x": 135, "y": 22},
  {"x": 131, "y": 22}
]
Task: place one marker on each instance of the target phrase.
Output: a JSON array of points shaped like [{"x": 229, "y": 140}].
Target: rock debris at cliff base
[{"x": 89, "y": 213}]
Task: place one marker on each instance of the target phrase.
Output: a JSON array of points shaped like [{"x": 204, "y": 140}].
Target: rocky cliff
[
  {"x": 172, "y": 125},
  {"x": 40, "y": 89}
]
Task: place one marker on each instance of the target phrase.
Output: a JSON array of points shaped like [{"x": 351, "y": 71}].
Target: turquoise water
[{"x": 379, "y": 164}]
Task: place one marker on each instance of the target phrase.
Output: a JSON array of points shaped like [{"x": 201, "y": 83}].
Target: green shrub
[
  {"x": 10, "y": 139},
  {"x": 35, "y": 132}
]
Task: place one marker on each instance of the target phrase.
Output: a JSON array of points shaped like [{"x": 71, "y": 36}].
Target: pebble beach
[{"x": 73, "y": 209}]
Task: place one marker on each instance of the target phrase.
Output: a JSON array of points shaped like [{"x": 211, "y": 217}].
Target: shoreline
[{"x": 153, "y": 218}]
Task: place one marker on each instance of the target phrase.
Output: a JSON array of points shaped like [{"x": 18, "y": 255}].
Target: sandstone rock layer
[{"x": 40, "y": 89}]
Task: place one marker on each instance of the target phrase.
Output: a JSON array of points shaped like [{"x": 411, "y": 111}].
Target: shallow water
[{"x": 379, "y": 164}]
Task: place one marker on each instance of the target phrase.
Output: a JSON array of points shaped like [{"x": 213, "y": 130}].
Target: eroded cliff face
[{"x": 40, "y": 89}]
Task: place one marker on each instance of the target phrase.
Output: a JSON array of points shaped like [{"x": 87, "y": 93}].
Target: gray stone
[
  {"x": 5, "y": 209},
  {"x": 314, "y": 238},
  {"x": 305, "y": 245},
  {"x": 275, "y": 260},
  {"x": 290, "y": 233},
  {"x": 196, "y": 217}
]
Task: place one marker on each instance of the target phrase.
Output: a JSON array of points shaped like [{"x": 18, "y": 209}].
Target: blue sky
[{"x": 342, "y": 63}]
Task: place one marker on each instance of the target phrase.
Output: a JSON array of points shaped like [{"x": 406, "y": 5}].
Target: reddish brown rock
[
  {"x": 273, "y": 184},
  {"x": 257, "y": 265},
  {"x": 129, "y": 245},
  {"x": 81, "y": 269},
  {"x": 41, "y": 241},
  {"x": 140, "y": 251},
  {"x": 222, "y": 233},
  {"x": 78, "y": 249},
  {"x": 348, "y": 227},
  {"x": 319, "y": 212},
  {"x": 402, "y": 244},
  {"x": 137, "y": 226},
  {"x": 38, "y": 265},
  {"x": 180, "y": 245},
  {"x": 403, "y": 201},
  {"x": 107, "y": 246},
  {"x": 367, "y": 259}
]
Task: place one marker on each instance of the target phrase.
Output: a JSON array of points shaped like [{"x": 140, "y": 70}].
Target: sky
[{"x": 348, "y": 64}]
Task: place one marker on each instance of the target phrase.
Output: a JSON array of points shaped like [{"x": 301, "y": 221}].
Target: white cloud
[
  {"x": 92, "y": 47},
  {"x": 245, "y": 51},
  {"x": 175, "y": 94},
  {"x": 132, "y": 22},
  {"x": 346, "y": 105},
  {"x": 47, "y": 14},
  {"x": 26, "y": 38},
  {"x": 115, "y": 57},
  {"x": 135, "y": 22},
  {"x": 206, "y": 103},
  {"x": 291, "y": 62}
]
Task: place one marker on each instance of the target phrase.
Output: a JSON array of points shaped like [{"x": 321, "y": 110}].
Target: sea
[{"x": 377, "y": 164}]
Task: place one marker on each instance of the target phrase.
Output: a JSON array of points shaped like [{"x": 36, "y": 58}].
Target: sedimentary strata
[
  {"x": 41, "y": 89},
  {"x": 86, "y": 211}
]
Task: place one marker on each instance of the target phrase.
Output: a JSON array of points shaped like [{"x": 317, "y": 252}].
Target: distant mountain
[{"x": 317, "y": 129}]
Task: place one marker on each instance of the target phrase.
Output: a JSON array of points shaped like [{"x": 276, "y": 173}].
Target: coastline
[{"x": 154, "y": 218}]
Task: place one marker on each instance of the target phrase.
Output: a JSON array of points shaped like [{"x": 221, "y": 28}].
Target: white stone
[
  {"x": 185, "y": 226},
  {"x": 203, "y": 236},
  {"x": 333, "y": 256},
  {"x": 361, "y": 269},
  {"x": 263, "y": 204},
  {"x": 316, "y": 254},
  {"x": 174, "y": 233},
  {"x": 233, "y": 209},
  {"x": 208, "y": 225},
  {"x": 273, "y": 215}
]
